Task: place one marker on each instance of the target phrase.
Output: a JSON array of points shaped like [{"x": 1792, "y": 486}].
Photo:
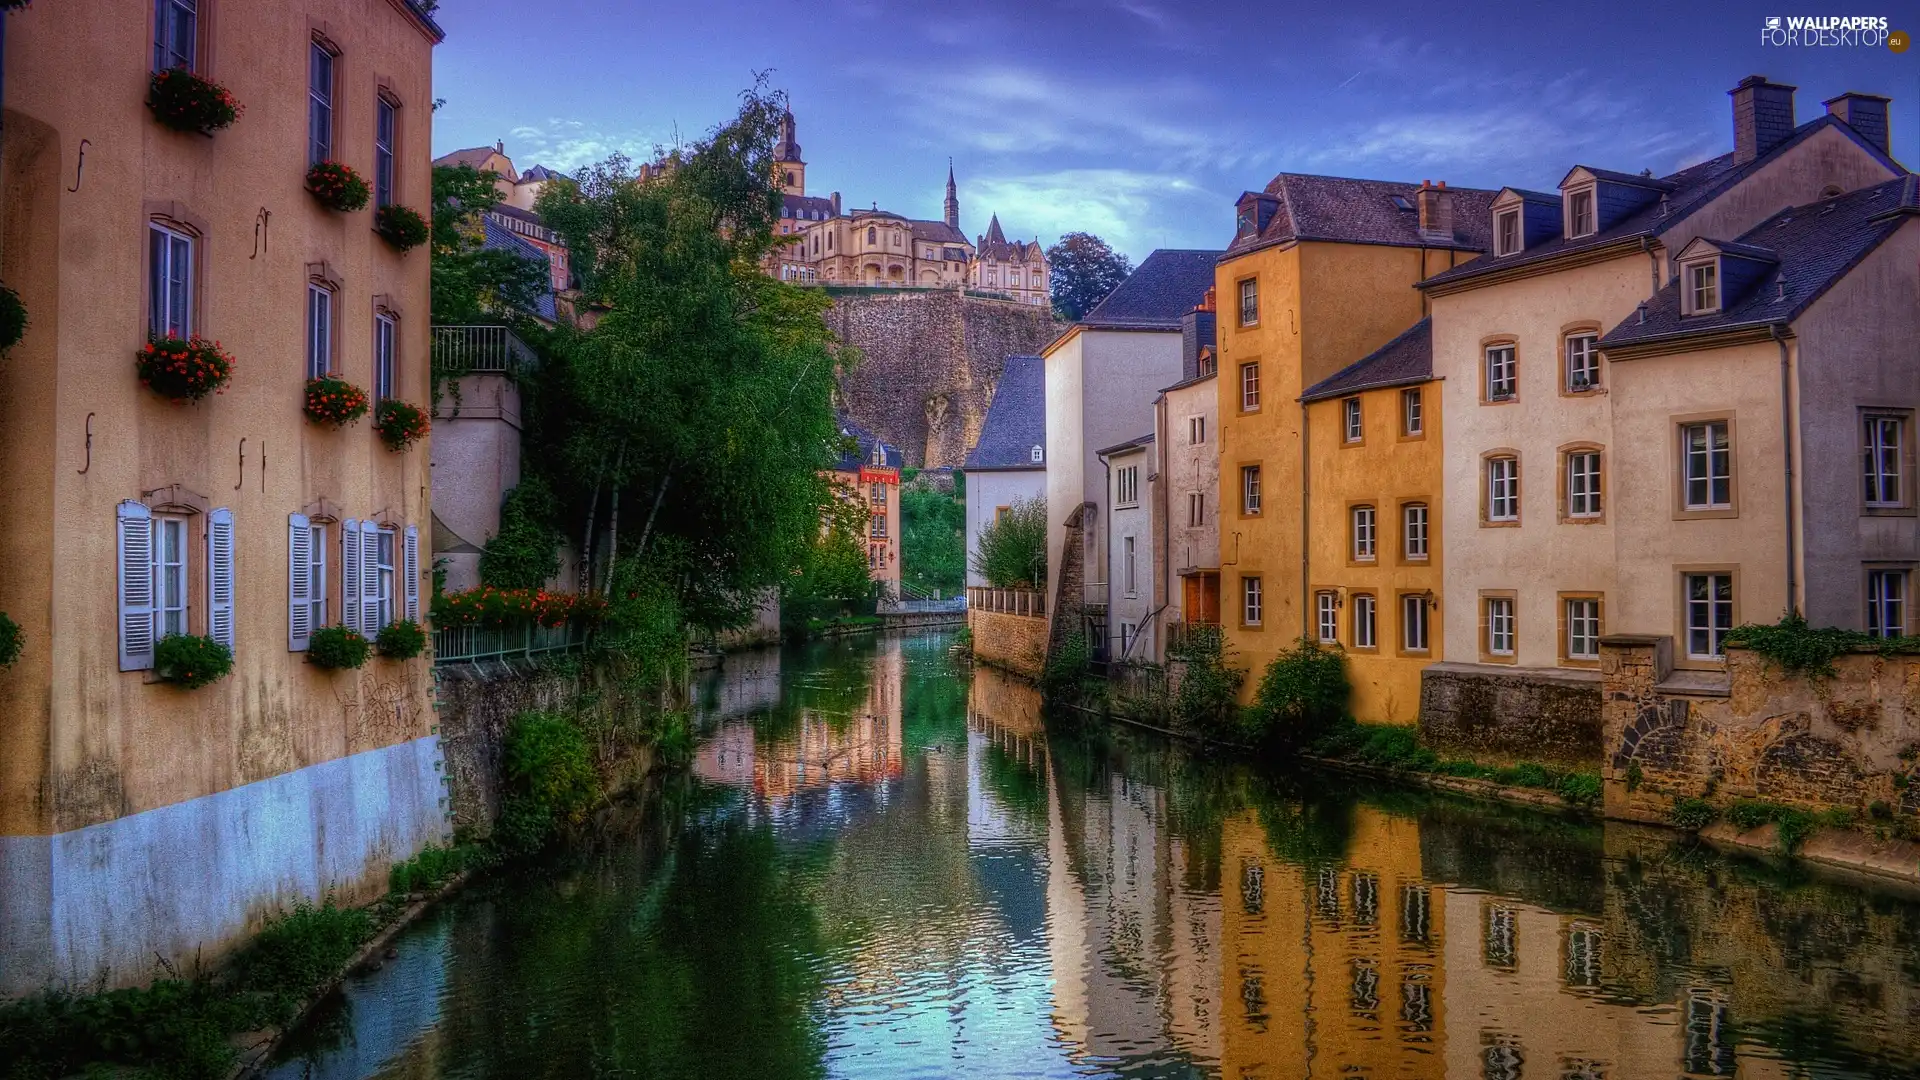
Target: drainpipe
[
  {"x": 1106, "y": 542},
  {"x": 1786, "y": 432},
  {"x": 1306, "y": 534},
  {"x": 1653, "y": 263}
]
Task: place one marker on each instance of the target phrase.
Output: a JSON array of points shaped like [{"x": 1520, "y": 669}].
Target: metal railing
[
  {"x": 1006, "y": 601},
  {"x": 479, "y": 350},
  {"x": 1188, "y": 638},
  {"x": 472, "y": 644}
]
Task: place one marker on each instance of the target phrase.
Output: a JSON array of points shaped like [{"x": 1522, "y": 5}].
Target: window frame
[
  {"x": 1492, "y": 603},
  {"x": 1363, "y": 612},
  {"x": 1326, "y": 616},
  {"x": 386, "y": 362},
  {"x": 1874, "y": 455},
  {"x": 1422, "y": 602},
  {"x": 1684, "y": 507},
  {"x": 1250, "y": 386},
  {"x": 1363, "y": 534},
  {"x": 1197, "y": 429},
  {"x": 1413, "y": 418},
  {"x": 1489, "y": 499},
  {"x": 164, "y": 10},
  {"x": 172, "y": 578},
  {"x": 1876, "y": 622},
  {"x": 385, "y": 161},
  {"x": 164, "y": 236},
  {"x": 321, "y": 298},
  {"x": 1247, "y": 292},
  {"x": 1576, "y": 229},
  {"x": 1252, "y": 601},
  {"x": 1425, "y": 509},
  {"x": 1503, "y": 245},
  {"x": 1568, "y": 497},
  {"x": 1567, "y": 601},
  {"x": 1691, "y": 287},
  {"x": 1126, "y": 487},
  {"x": 317, "y": 123},
  {"x": 1196, "y": 509},
  {"x": 1250, "y": 489},
  {"x": 1590, "y": 357},
  {"x": 317, "y": 565},
  {"x": 1353, "y": 422},
  {"x": 1489, "y": 395},
  {"x": 1684, "y": 655},
  {"x": 386, "y": 560},
  {"x": 1129, "y": 549}
]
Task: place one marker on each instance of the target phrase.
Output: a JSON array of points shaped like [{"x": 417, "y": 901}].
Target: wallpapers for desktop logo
[{"x": 1828, "y": 31}]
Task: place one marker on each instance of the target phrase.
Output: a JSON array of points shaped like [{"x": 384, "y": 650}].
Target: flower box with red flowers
[
  {"x": 338, "y": 187},
  {"x": 488, "y": 606},
  {"x": 401, "y": 226},
  {"x": 184, "y": 369},
  {"x": 186, "y": 102},
  {"x": 400, "y": 425},
  {"x": 335, "y": 401}
]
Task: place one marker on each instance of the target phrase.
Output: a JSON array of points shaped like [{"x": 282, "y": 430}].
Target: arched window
[
  {"x": 1038, "y": 453},
  {"x": 873, "y": 235}
]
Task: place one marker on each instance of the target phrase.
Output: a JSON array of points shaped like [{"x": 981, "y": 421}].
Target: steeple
[
  {"x": 994, "y": 235},
  {"x": 789, "y": 170},
  {"x": 953, "y": 199},
  {"x": 787, "y": 149}
]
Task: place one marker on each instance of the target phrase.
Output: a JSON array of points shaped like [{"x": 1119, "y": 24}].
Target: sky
[{"x": 1143, "y": 120}]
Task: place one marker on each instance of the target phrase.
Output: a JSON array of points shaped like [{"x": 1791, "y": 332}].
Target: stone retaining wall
[
  {"x": 1017, "y": 643},
  {"x": 1500, "y": 715}
]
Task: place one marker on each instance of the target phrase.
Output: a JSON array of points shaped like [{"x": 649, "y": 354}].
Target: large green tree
[
  {"x": 474, "y": 284},
  {"x": 1084, "y": 271}
]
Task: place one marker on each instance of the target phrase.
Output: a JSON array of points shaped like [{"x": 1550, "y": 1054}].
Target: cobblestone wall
[
  {"x": 931, "y": 361},
  {"x": 1499, "y": 716}
]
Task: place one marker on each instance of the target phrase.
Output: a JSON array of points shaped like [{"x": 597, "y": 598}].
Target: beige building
[
  {"x": 233, "y": 517},
  {"x": 1556, "y": 473},
  {"x": 1186, "y": 507},
  {"x": 1017, "y": 270},
  {"x": 870, "y": 475}
]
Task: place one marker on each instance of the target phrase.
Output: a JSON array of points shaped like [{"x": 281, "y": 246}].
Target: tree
[
  {"x": 933, "y": 544},
  {"x": 1013, "y": 549},
  {"x": 1084, "y": 271},
  {"x": 473, "y": 284}
]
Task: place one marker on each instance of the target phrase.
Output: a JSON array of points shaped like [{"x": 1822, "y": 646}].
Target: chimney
[
  {"x": 1436, "y": 211},
  {"x": 1196, "y": 334},
  {"x": 1762, "y": 117},
  {"x": 500, "y": 146},
  {"x": 1866, "y": 114},
  {"x": 836, "y": 204}
]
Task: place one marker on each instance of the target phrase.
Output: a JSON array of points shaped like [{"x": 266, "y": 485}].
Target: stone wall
[
  {"x": 1017, "y": 643},
  {"x": 931, "y": 360},
  {"x": 1069, "y": 611},
  {"x": 1500, "y": 715},
  {"x": 1849, "y": 741}
]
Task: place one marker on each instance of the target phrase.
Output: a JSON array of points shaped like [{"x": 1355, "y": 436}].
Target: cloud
[
  {"x": 1133, "y": 211},
  {"x": 567, "y": 145}
]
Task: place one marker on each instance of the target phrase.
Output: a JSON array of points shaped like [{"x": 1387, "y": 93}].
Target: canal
[{"x": 885, "y": 865}]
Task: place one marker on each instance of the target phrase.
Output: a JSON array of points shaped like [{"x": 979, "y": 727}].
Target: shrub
[
  {"x": 184, "y": 369},
  {"x": 1692, "y": 814},
  {"x": 184, "y": 101},
  {"x": 435, "y": 865},
  {"x": 1209, "y": 689},
  {"x": 338, "y": 187},
  {"x": 401, "y": 639},
  {"x": 1580, "y": 788},
  {"x": 963, "y": 639},
  {"x": 333, "y": 400},
  {"x": 1302, "y": 694},
  {"x": 400, "y": 425},
  {"x": 190, "y": 660},
  {"x": 488, "y": 606},
  {"x": 525, "y": 553},
  {"x": 337, "y": 647},
  {"x": 1880, "y": 810},
  {"x": 1798, "y": 649},
  {"x": 1063, "y": 677},
  {"x": 1012, "y": 550},
  {"x": 12, "y": 640},
  {"x": 13, "y": 319},
  {"x": 300, "y": 952},
  {"x": 401, "y": 226},
  {"x": 549, "y": 776}
]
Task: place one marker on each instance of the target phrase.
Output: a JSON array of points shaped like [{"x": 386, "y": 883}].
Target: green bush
[
  {"x": 964, "y": 639},
  {"x": 12, "y": 640},
  {"x": 1012, "y": 550},
  {"x": 300, "y": 952},
  {"x": 1580, "y": 788},
  {"x": 1064, "y": 677},
  {"x": 1209, "y": 691},
  {"x": 525, "y": 553},
  {"x": 1303, "y": 693},
  {"x": 1798, "y": 649},
  {"x": 435, "y": 865},
  {"x": 1692, "y": 814},
  {"x": 191, "y": 661},
  {"x": 401, "y": 639},
  {"x": 933, "y": 541},
  {"x": 550, "y": 780},
  {"x": 337, "y": 647}
]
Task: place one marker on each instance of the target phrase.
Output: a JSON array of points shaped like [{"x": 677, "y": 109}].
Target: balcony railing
[
  {"x": 1006, "y": 601},
  {"x": 472, "y": 644},
  {"x": 479, "y": 350},
  {"x": 1188, "y": 639}
]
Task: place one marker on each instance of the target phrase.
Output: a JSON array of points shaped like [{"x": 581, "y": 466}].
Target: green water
[{"x": 887, "y": 866}]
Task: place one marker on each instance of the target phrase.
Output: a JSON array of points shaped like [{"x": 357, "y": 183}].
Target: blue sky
[{"x": 1142, "y": 120}]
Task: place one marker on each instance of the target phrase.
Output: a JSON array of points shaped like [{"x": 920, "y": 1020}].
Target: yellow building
[
  {"x": 1320, "y": 274},
  {"x": 1373, "y": 521}
]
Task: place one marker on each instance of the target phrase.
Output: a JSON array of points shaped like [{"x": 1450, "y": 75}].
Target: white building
[{"x": 1009, "y": 462}]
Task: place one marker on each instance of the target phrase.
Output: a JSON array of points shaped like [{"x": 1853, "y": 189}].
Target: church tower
[
  {"x": 953, "y": 200},
  {"x": 788, "y": 168}
]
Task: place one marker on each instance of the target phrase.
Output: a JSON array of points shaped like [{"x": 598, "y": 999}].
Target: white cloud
[
  {"x": 1133, "y": 211},
  {"x": 567, "y": 145}
]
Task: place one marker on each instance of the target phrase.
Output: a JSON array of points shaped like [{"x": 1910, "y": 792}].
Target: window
[
  {"x": 1126, "y": 566},
  {"x": 1326, "y": 616},
  {"x": 1196, "y": 508},
  {"x": 319, "y": 104},
  {"x": 1249, "y": 387},
  {"x": 1412, "y": 422},
  {"x": 1709, "y": 599},
  {"x": 1583, "y": 484},
  {"x": 1583, "y": 628},
  {"x": 1353, "y": 429},
  {"x": 1883, "y": 461},
  {"x": 873, "y": 235},
  {"x": 1365, "y": 528},
  {"x": 1196, "y": 430},
  {"x": 1706, "y": 466},
  {"x": 169, "y": 576},
  {"x": 1413, "y": 622},
  {"x": 1506, "y": 228},
  {"x": 1250, "y": 302},
  {"x": 1583, "y": 362},
  {"x": 386, "y": 540},
  {"x": 316, "y": 596},
  {"x": 153, "y": 580},
  {"x": 873, "y": 557},
  {"x": 877, "y": 528},
  {"x": 1703, "y": 288},
  {"x": 1126, "y": 485},
  {"x": 1887, "y": 603},
  {"x": 1250, "y": 607},
  {"x": 1250, "y": 489},
  {"x": 1038, "y": 454},
  {"x": 383, "y": 385},
  {"x": 1503, "y": 489},
  {"x": 877, "y": 495},
  {"x": 384, "y": 115},
  {"x": 176, "y": 34},
  {"x": 1363, "y": 621},
  {"x": 170, "y": 270},
  {"x": 1501, "y": 377},
  {"x": 319, "y": 330},
  {"x": 1580, "y": 213},
  {"x": 1499, "y": 612},
  {"x": 1413, "y": 530}
]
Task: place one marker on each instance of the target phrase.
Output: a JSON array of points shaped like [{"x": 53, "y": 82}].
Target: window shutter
[
  {"x": 136, "y": 586},
  {"x": 350, "y": 574},
  {"x": 411, "y": 568},
  {"x": 299, "y": 582},
  {"x": 370, "y": 578},
  {"x": 220, "y": 576}
]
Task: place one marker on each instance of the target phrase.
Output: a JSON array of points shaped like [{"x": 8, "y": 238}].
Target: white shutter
[
  {"x": 136, "y": 586},
  {"x": 410, "y": 566},
  {"x": 299, "y": 582},
  {"x": 220, "y": 576},
  {"x": 350, "y": 574},
  {"x": 370, "y": 578}
]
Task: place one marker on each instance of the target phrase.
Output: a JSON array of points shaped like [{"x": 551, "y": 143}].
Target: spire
[
  {"x": 953, "y": 200},
  {"x": 787, "y": 149},
  {"x": 994, "y": 235}
]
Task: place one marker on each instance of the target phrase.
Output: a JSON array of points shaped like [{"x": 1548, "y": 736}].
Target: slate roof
[
  {"x": 1016, "y": 419},
  {"x": 1693, "y": 188},
  {"x": 1166, "y": 285},
  {"x": 866, "y": 440},
  {"x": 1345, "y": 210},
  {"x": 1405, "y": 360},
  {"x": 1635, "y": 179},
  {"x": 937, "y": 232},
  {"x": 537, "y": 173},
  {"x": 791, "y": 205},
  {"x": 993, "y": 247},
  {"x": 1135, "y": 443},
  {"x": 1815, "y": 245},
  {"x": 500, "y": 238}
]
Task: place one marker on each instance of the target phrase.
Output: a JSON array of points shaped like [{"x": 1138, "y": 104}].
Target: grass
[
  {"x": 1793, "y": 825},
  {"x": 435, "y": 866},
  {"x": 1399, "y": 748}
]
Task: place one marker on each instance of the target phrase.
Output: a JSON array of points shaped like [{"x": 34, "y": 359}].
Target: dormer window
[
  {"x": 1038, "y": 454},
  {"x": 1702, "y": 287},
  {"x": 1580, "y": 216},
  {"x": 1506, "y": 232},
  {"x": 1243, "y": 222}
]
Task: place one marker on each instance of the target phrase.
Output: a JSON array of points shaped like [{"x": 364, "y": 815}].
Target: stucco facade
[
  {"x": 1132, "y": 493},
  {"x": 989, "y": 492},
  {"x": 1187, "y": 504},
  {"x": 140, "y": 821}
]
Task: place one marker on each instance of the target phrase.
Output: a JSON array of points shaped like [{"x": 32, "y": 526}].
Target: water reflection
[{"x": 885, "y": 866}]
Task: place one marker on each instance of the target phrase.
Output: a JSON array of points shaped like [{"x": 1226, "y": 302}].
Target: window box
[
  {"x": 184, "y": 369},
  {"x": 337, "y": 648},
  {"x": 338, "y": 187},
  {"x": 186, "y": 102},
  {"x": 190, "y": 661},
  {"x": 400, "y": 425},
  {"x": 401, "y": 226},
  {"x": 335, "y": 401}
]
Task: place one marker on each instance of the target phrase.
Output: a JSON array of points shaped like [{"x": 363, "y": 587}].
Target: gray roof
[
  {"x": 538, "y": 172},
  {"x": 1814, "y": 245},
  {"x": 1167, "y": 285},
  {"x": 500, "y": 238},
  {"x": 1016, "y": 419},
  {"x": 1693, "y": 187},
  {"x": 1345, "y": 210},
  {"x": 852, "y": 462},
  {"x": 1138, "y": 442},
  {"x": 1405, "y": 360},
  {"x": 937, "y": 232},
  {"x": 791, "y": 205}
]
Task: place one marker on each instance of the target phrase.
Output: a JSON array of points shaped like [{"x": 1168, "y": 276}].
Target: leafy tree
[
  {"x": 524, "y": 553},
  {"x": 1013, "y": 550},
  {"x": 834, "y": 572},
  {"x": 1084, "y": 271},
  {"x": 475, "y": 285},
  {"x": 933, "y": 543}
]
